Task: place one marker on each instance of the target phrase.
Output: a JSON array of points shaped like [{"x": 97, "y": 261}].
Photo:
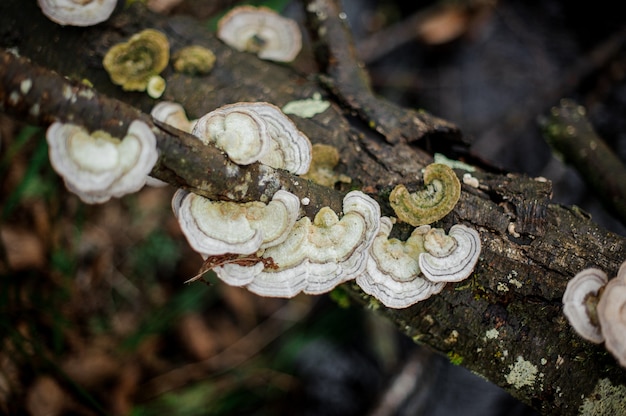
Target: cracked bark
[{"x": 504, "y": 322}]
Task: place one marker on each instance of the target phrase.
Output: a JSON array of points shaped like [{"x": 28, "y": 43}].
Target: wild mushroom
[
  {"x": 317, "y": 255},
  {"x": 442, "y": 192},
  {"x": 156, "y": 86},
  {"x": 393, "y": 275},
  {"x": 194, "y": 60},
  {"x": 98, "y": 166},
  {"x": 610, "y": 312},
  {"x": 580, "y": 302},
  {"x": 77, "y": 12},
  {"x": 256, "y": 132},
  {"x": 452, "y": 257},
  {"x": 220, "y": 227},
  {"x": 173, "y": 114},
  {"x": 239, "y": 131},
  {"x": 261, "y": 31},
  {"x": 134, "y": 63},
  {"x": 290, "y": 149}
]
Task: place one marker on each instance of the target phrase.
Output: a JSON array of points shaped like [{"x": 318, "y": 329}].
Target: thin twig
[
  {"x": 348, "y": 80},
  {"x": 570, "y": 134}
]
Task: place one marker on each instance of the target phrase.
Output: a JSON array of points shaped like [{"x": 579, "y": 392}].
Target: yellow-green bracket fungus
[
  {"x": 442, "y": 192},
  {"x": 194, "y": 60},
  {"x": 134, "y": 63}
]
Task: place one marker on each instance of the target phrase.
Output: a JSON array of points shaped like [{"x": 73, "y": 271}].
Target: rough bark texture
[{"x": 504, "y": 322}]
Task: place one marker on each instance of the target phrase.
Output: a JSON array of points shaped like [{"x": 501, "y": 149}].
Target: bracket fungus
[
  {"x": 443, "y": 190},
  {"x": 580, "y": 302},
  {"x": 194, "y": 60},
  {"x": 77, "y": 12},
  {"x": 173, "y": 114},
  {"x": 323, "y": 162},
  {"x": 317, "y": 255},
  {"x": 289, "y": 148},
  {"x": 98, "y": 166},
  {"x": 393, "y": 274},
  {"x": 261, "y": 31},
  {"x": 133, "y": 64},
  {"x": 611, "y": 315},
  {"x": 240, "y": 132},
  {"x": 256, "y": 132},
  {"x": 400, "y": 274},
  {"x": 452, "y": 257},
  {"x": 221, "y": 227},
  {"x": 156, "y": 86}
]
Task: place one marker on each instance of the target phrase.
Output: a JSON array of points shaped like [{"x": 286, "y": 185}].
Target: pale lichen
[
  {"x": 493, "y": 333},
  {"x": 306, "y": 108},
  {"x": 523, "y": 373},
  {"x": 606, "y": 399},
  {"x": 452, "y": 338},
  {"x": 454, "y": 164}
]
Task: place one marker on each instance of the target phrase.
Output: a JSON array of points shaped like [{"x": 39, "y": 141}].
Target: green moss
[
  {"x": 455, "y": 358},
  {"x": 340, "y": 297}
]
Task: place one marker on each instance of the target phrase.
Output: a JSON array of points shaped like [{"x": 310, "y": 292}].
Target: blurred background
[{"x": 95, "y": 318}]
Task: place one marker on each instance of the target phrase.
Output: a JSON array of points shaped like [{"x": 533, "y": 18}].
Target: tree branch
[
  {"x": 505, "y": 322},
  {"x": 571, "y": 135},
  {"x": 349, "y": 82},
  {"x": 184, "y": 161}
]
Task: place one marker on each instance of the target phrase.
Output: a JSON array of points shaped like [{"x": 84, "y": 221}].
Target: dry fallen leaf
[{"x": 24, "y": 250}]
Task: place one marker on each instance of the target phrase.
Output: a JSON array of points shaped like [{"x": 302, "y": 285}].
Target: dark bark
[{"x": 504, "y": 322}]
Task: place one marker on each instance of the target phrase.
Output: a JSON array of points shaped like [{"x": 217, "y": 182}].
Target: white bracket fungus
[
  {"x": 256, "y": 132},
  {"x": 77, "y": 12},
  {"x": 400, "y": 274},
  {"x": 289, "y": 148},
  {"x": 595, "y": 309},
  {"x": 173, "y": 114},
  {"x": 580, "y": 300},
  {"x": 261, "y": 31},
  {"x": 611, "y": 315},
  {"x": 97, "y": 166},
  {"x": 317, "y": 255},
  {"x": 452, "y": 257},
  {"x": 220, "y": 227},
  {"x": 393, "y": 275},
  {"x": 240, "y": 132}
]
